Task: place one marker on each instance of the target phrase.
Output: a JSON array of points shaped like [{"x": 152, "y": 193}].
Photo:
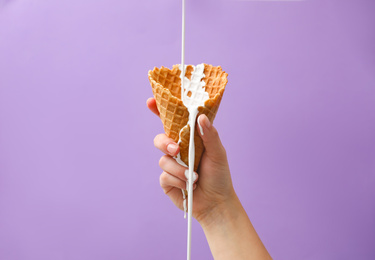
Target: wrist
[
  {"x": 225, "y": 211},
  {"x": 230, "y": 233}
]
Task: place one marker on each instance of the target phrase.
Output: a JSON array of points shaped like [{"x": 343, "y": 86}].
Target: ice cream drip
[{"x": 193, "y": 95}]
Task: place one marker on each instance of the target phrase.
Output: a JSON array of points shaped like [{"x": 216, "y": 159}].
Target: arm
[
  {"x": 216, "y": 206},
  {"x": 231, "y": 235}
]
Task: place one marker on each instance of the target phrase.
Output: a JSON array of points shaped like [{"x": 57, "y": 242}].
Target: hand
[
  {"x": 227, "y": 227},
  {"x": 214, "y": 186}
]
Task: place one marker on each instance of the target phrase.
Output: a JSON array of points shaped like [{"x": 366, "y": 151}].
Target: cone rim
[{"x": 219, "y": 93}]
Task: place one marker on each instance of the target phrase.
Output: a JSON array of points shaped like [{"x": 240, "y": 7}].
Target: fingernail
[
  {"x": 206, "y": 123},
  {"x": 172, "y": 149},
  {"x": 200, "y": 127}
]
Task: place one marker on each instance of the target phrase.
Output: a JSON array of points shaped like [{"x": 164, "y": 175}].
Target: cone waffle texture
[{"x": 166, "y": 87}]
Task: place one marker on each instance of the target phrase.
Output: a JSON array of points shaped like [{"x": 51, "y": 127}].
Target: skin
[{"x": 216, "y": 207}]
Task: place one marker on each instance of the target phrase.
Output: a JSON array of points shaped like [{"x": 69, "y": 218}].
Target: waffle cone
[{"x": 166, "y": 87}]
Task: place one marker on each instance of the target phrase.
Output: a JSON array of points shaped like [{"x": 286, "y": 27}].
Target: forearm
[{"x": 231, "y": 235}]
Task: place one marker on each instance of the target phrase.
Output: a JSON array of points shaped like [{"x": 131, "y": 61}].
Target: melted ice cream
[{"x": 193, "y": 95}]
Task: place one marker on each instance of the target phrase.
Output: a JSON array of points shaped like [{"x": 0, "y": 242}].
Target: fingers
[
  {"x": 168, "y": 182},
  {"x": 214, "y": 149},
  {"x": 151, "y": 104},
  {"x": 169, "y": 165},
  {"x": 166, "y": 145},
  {"x": 174, "y": 179}
]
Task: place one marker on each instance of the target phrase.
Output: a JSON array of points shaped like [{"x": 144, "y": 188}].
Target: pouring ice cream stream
[{"x": 193, "y": 95}]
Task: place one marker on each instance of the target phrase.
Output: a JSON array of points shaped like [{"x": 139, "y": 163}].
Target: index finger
[
  {"x": 166, "y": 145},
  {"x": 151, "y": 104}
]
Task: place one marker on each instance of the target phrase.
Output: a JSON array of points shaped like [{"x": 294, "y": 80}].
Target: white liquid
[{"x": 193, "y": 95}]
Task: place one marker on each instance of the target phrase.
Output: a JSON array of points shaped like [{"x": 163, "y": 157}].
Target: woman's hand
[
  {"x": 214, "y": 186},
  {"x": 216, "y": 206}
]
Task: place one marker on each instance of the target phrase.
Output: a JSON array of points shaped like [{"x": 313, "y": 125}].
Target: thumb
[{"x": 211, "y": 141}]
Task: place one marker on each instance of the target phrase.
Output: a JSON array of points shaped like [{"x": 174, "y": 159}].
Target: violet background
[{"x": 79, "y": 175}]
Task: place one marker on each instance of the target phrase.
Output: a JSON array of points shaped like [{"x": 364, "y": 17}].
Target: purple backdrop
[{"x": 79, "y": 175}]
